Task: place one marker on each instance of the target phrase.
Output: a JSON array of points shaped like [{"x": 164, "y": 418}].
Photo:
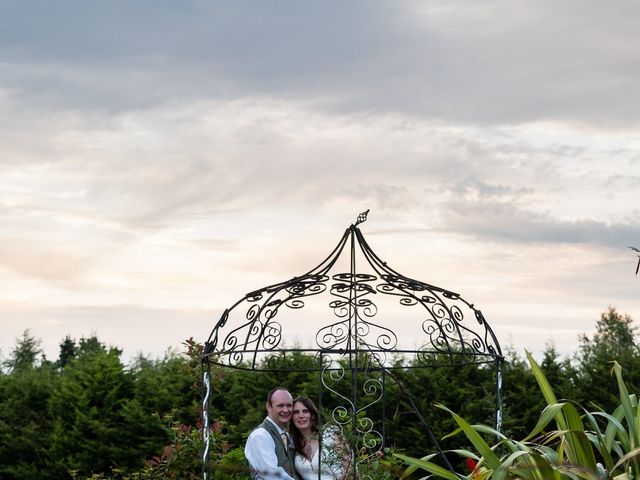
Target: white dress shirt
[{"x": 261, "y": 454}]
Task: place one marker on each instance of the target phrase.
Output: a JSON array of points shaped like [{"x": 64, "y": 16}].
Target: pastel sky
[{"x": 159, "y": 159}]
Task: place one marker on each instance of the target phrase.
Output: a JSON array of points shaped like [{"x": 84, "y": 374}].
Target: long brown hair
[{"x": 298, "y": 439}]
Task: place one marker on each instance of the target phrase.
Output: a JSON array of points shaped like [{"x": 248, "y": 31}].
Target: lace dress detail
[{"x": 330, "y": 467}]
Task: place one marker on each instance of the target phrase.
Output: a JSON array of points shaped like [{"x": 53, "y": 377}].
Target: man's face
[{"x": 279, "y": 410}]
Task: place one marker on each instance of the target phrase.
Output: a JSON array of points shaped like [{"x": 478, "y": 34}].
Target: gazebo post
[
  {"x": 499, "y": 364},
  {"x": 206, "y": 429}
]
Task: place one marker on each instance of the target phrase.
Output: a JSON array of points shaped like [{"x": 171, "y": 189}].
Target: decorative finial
[{"x": 362, "y": 218}]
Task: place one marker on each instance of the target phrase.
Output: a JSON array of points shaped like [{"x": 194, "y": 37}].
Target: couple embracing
[{"x": 290, "y": 444}]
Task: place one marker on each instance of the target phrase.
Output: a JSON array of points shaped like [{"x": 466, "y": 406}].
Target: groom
[{"x": 269, "y": 448}]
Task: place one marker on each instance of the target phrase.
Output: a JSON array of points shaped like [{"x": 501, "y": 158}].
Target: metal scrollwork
[
  {"x": 445, "y": 324},
  {"x": 331, "y": 336},
  {"x": 357, "y": 337}
]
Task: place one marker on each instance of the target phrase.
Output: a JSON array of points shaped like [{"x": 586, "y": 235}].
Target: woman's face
[{"x": 302, "y": 417}]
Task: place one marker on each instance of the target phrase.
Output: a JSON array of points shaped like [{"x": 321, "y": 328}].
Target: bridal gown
[{"x": 330, "y": 467}]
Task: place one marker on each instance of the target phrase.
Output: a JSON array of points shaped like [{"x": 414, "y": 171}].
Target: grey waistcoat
[{"x": 285, "y": 456}]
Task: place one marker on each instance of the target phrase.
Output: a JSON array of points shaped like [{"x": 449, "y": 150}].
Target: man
[{"x": 269, "y": 448}]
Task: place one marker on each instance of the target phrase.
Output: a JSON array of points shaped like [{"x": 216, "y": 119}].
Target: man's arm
[{"x": 261, "y": 454}]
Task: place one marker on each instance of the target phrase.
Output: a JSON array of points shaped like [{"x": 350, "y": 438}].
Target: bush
[{"x": 591, "y": 445}]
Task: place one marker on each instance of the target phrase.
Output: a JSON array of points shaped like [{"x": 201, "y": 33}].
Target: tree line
[{"x": 87, "y": 414}]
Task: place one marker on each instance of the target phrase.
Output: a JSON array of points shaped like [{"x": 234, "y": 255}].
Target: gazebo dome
[{"x": 363, "y": 300}]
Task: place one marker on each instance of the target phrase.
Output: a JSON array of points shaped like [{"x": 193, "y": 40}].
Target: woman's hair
[{"x": 298, "y": 439}]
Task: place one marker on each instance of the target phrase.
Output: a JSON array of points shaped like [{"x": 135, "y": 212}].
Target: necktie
[{"x": 285, "y": 439}]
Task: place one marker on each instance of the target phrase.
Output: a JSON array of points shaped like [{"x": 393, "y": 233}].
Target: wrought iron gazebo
[{"x": 354, "y": 353}]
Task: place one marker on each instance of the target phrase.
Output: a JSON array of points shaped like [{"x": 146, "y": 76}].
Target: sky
[{"x": 159, "y": 159}]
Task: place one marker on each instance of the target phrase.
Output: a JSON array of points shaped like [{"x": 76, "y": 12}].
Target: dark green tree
[
  {"x": 166, "y": 386},
  {"x": 94, "y": 414},
  {"x": 68, "y": 351},
  {"x": 25, "y": 426},
  {"x": 614, "y": 339},
  {"x": 25, "y": 354}
]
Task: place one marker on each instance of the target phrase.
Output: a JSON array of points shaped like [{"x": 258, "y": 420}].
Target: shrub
[{"x": 590, "y": 445}]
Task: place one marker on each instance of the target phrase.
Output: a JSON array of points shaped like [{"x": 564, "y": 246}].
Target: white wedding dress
[{"x": 329, "y": 466}]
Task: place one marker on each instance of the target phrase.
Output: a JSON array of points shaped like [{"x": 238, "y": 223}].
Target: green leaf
[
  {"x": 503, "y": 471},
  {"x": 599, "y": 440},
  {"x": 633, "y": 454},
  {"x": 413, "y": 468},
  {"x": 615, "y": 429},
  {"x": 578, "y": 448},
  {"x": 625, "y": 400},
  {"x": 428, "y": 466},
  {"x": 548, "y": 414},
  {"x": 547, "y": 391},
  {"x": 474, "y": 437}
]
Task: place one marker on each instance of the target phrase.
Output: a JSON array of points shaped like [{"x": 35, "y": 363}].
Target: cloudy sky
[{"x": 159, "y": 159}]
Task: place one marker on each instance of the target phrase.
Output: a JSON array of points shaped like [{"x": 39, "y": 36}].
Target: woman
[{"x": 331, "y": 460}]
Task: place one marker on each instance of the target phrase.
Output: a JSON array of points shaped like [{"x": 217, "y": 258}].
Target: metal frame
[{"x": 352, "y": 346}]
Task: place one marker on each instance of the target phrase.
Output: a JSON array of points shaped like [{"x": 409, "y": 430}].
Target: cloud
[
  {"x": 160, "y": 157},
  {"x": 58, "y": 264},
  {"x": 175, "y": 165},
  {"x": 510, "y": 222},
  {"x": 498, "y": 62}
]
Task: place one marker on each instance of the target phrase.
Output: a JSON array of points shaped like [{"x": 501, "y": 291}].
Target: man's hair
[{"x": 271, "y": 392}]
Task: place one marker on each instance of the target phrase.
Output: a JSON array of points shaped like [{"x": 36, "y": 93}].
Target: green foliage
[
  {"x": 68, "y": 351},
  {"x": 615, "y": 339},
  {"x": 92, "y": 408},
  {"x": 588, "y": 445},
  {"x": 178, "y": 460},
  {"x": 25, "y": 426},
  {"x": 380, "y": 467},
  {"x": 25, "y": 354},
  {"x": 89, "y": 413},
  {"x": 231, "y": 466},
  {"x": 422, "y": 387}
]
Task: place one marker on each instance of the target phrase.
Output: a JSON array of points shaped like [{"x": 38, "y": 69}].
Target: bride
[{"x": 312, "y": 461}]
